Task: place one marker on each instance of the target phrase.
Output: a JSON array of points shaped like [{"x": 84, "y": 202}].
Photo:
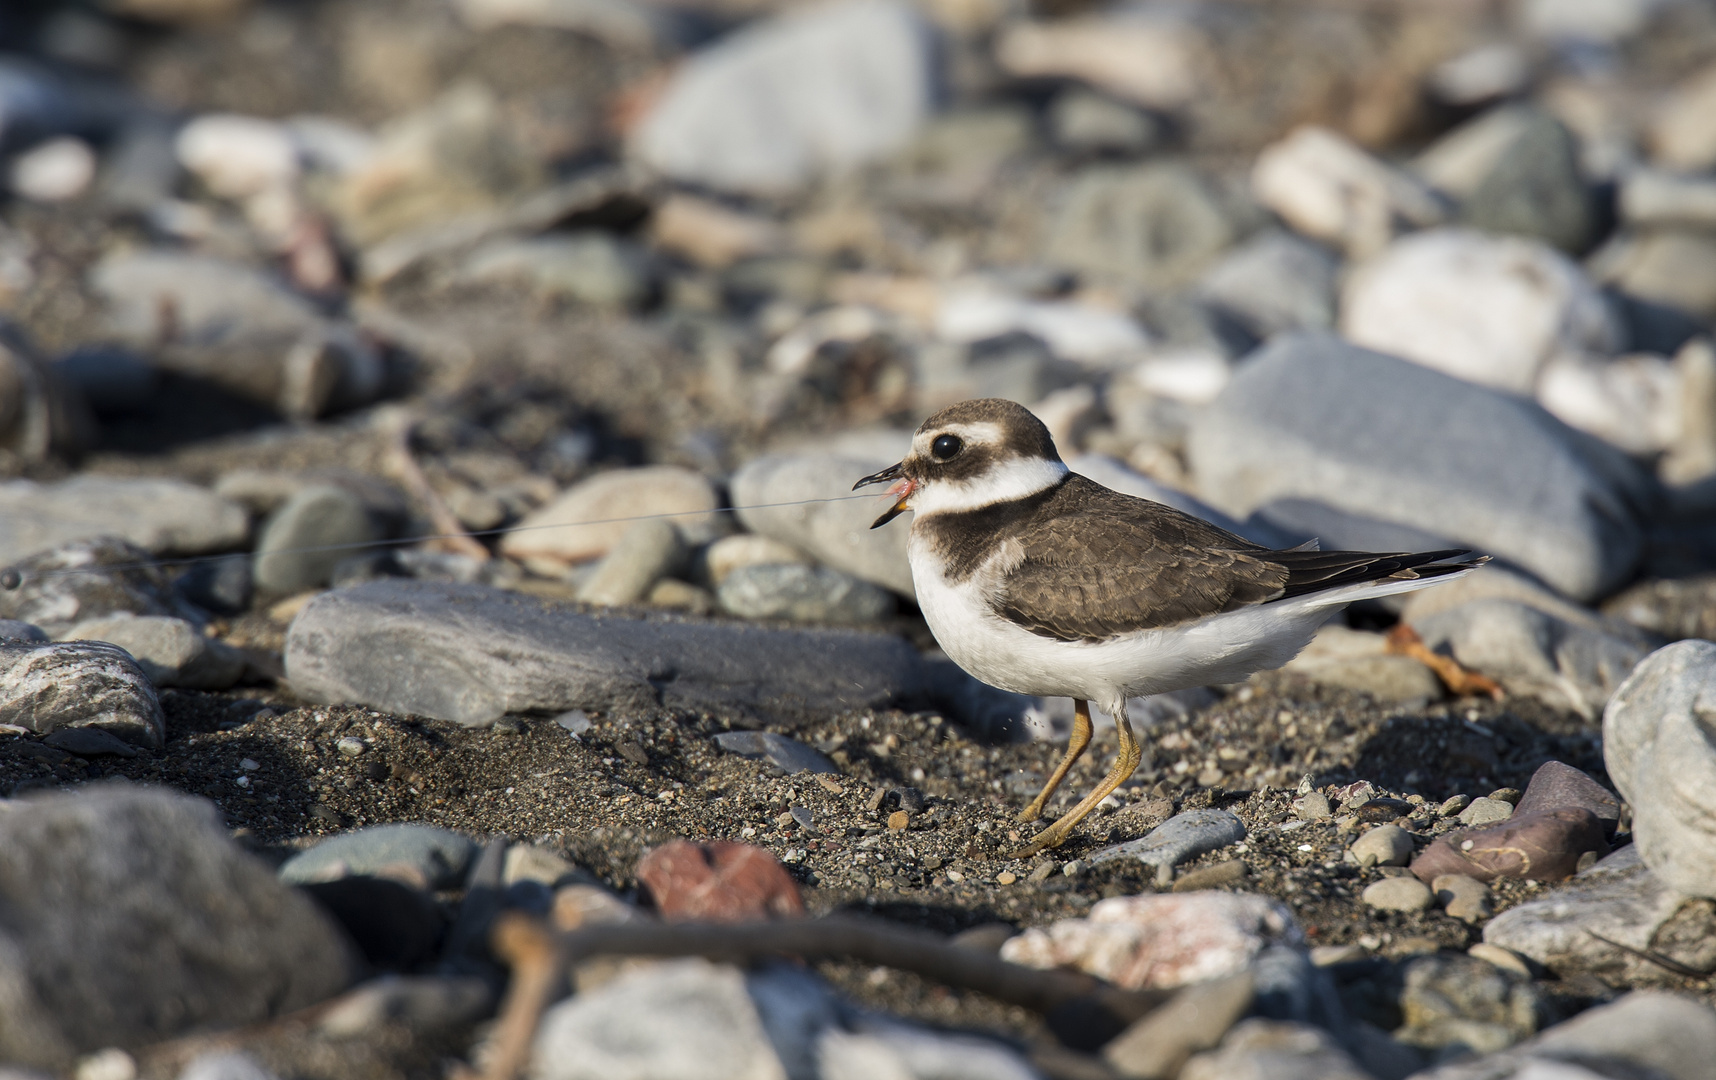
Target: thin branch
[{"x": 410, "y": 474}]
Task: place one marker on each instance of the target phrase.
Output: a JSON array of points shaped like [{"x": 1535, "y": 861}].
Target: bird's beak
[{"x": 903, "y": 489}]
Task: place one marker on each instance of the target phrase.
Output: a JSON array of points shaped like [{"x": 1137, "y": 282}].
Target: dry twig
[
  {"x": 1460, "y": 680},
  {"x": 410, "y": 474}
]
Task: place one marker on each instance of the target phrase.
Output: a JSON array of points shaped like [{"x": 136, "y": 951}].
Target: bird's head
[{"x": 968, "y": 456}]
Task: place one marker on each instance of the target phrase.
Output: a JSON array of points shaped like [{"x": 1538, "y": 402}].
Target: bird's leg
[
  {"x": 1075, "y": 749},
  {"x": 1131, "y": 752}
]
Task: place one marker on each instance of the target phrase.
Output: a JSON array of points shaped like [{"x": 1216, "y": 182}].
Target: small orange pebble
[{"x": 898, "y": 820}]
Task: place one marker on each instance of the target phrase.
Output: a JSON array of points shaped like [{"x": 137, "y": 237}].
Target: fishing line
[{"x": 11, "y": 578}]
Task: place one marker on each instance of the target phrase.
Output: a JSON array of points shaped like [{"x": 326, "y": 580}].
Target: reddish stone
[
  {"x": 1556, "y": 786},
  {"x": 718, "y": 882},
  {"x": 1543, "y": 845}
]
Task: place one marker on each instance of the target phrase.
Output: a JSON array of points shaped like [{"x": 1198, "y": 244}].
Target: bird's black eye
[{"x": 945, "y": 446}]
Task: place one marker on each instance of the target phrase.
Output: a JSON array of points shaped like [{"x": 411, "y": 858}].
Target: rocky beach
[{"x": 439, "y": 639}]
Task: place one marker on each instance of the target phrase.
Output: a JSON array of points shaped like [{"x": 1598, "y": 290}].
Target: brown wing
[{"x": 1096, "y": 563}]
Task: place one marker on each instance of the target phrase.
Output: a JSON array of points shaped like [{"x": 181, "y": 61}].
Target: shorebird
[{"x": 1040, "y": 581}]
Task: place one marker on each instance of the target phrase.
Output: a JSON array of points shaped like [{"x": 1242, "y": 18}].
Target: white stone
[
  {"x": 1633, "y": 402},
  {"x": 1482, "y": 73},
  {"x": 805, "y": 93},
  {"x": 1155, "y": 60},
  {"x": 1490, "y": 310},
  {"x": 1598, "y": 21},
  {"x": 835, "y": 532},
  {"x": 54, "y": 171},
  {"x": 619, "y": 23},
  {"x": 1683, "y": 132},
  {"x": 732, "y": 553},
  {"x": 1659, "y": 197},
  {"x": 1398, "y": 894},
  {"x": 1331, "y": 190},
  {"x": 1161, "y": 940},
  {"x": 1072, "y": 330},
  {"x": 1659, "y": 743},
  {"x": 237, "y": 156}
]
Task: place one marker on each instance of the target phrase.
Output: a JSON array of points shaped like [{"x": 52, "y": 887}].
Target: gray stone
[
  {"x": 1671, "y": 266},
  {"x": 420, "y": 1003},
  {"x": 1462, "y": 897},
  {"x": 305, "y": 538},
  {"x": 17, "y": 630},
  {"x": 1273, "y": 283},
  {"x": 225, "y": 1065},
  {"x": 1088, "y": 123},
  {"x": 789, "y": 755},
  {"x": 649, "y": 551},
  {"x": 1659, "y": 743},
  {"x": 1385, "y": 845},
  {"x": 1618, "y": 900},
  {"x": 87, "y": 579},
  {"x": 1485, "y": 811},
  {"x": 1357, "y": 660},
  {"x": 79, "y": 684},
  {"x": 796, "y": 96},
  {"x": 440, "y": 856},
  {"x": 1149, "y": 226},
  {"x": 1182, "y": 837},
  {"x": 1271, "y": 1050},
  {"x": 594, "y": 268},
  {"x": 471, "y": 654},
  {"x": 802, "y": 594},
  {"x": 89, "y": 742},
  {"x": 1405, "y": 444},
  {"x": 688, "y": 1019},
  {"x": 1644, "y": 1033},
  {"x": 131, "y": 918},
  {"x": 1518, "y": 172},
  {"x": 42, "y": 417},
  {"x": 162, "y": 517},
  {"x": 1675, "y": 608},
  {"x": 883, "y": 1047},
  {"x": 1312, "y": 806},
  {"x": 589, "y": 518},
  {"x": 170, "y": 651},
  {"x": 1494, "y": 582},
  {"x": 221, "y": 585},
  {"x": 837, "y": 533},
  {"x": 1406, "y": 894}
]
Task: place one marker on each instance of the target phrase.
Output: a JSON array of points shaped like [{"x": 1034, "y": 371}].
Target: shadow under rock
[{"x": 1444, "y": 754}]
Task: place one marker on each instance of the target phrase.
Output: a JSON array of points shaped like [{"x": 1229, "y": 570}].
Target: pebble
[
  {"x": 1500, "y": 957},
  {"x": 559, "y": 530},
  {"x": 302, "y": 541},
  {"x": 1162, "y": 940},
  {"x": 57, "y": 170},
  {"x": 1088, "y": 123},
  {"x": 224, "y": 1065},
  {"x": 1556, "y": 785},
  {"x": 719, "y": 881},
  {"x": 1330, "y": 190},
  {"x": 1463, "y": 897},
  {"x": 1682, "y": 134},
  {"x": 649, "y": 551},
  {"x": 471, "y": 653},
  {"x": 1621, "y": 900},
  {"x": 1151, "y": 62},
  {"x": 1545, "y": 845},
  {"x": 1398, "y": 894},
  {"x": 899, "y": 820},
  {"x": 1274, "y": 283},
  {"x": 224, "y": 586},
  {"x": 1219, "y": 875},
  {"x": 1385, "y": 845},
  {"x": 1532, "y": 185},
  {"x": 438, "y": 857},
  {"x": 1312, "y": 806},
  {"x": 238, "y": 156},
  {"x": 835, "y": 534},
  {"x": 350, "y": 747},
  {"x": 792, "y": 97},
  {"x": 1661, "y": 755},
  {"x": 157, "y": 516},
  {"x": 1180, "y": 838},
  {"x": 1273, "y": 434},
  {"x": 787, "y": 754},
  {"x": 1485, "y": 811},
  {"x": 170, "y": 651},
  {"x": 1669, "y": 266},
  {"x": 802, "y": 594},
  {"x": 199, "y": 920},
  {"x": 1489, "y": 309},
  {"x": 75, "y": 684},
  {"x": 1453, "y": 805},
  {"x": 419, "y": 1003},
  {"x": 89, "y": 742},
  {"x": 18, "y": 630},
  {"x": 1675, "y": 608},
  {"x": 1656, "y": 197}
]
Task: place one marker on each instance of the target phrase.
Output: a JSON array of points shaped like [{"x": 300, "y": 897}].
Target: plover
[{"x": 1040, "y": 581}]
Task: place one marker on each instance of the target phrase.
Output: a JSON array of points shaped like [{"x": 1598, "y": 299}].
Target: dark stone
[
  {"x": 1544, "y": 845},
  {"x": 114, "y": 381},
  {"x": 89, "y": 742},
  {"x": 1537, "y": 189},
  {"x": 395, "y": 926},
  {"x": 789, "y": 755},
  {"x": 222, "y": 585}
]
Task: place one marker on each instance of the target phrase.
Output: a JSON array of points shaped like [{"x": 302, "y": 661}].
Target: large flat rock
[
  {"x": 163, "y": 517},
  {"x": 471, "y": 653},
  {"x": 1314, "y": 418}
]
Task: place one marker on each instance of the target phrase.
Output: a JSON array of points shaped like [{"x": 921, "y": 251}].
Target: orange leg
[
  {"x": 1131, "y": 752},
  {"x": 1075, "y": 749}
]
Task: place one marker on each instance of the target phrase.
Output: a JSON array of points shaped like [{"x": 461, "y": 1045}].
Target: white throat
[{"x": 1016, "y": 478}]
